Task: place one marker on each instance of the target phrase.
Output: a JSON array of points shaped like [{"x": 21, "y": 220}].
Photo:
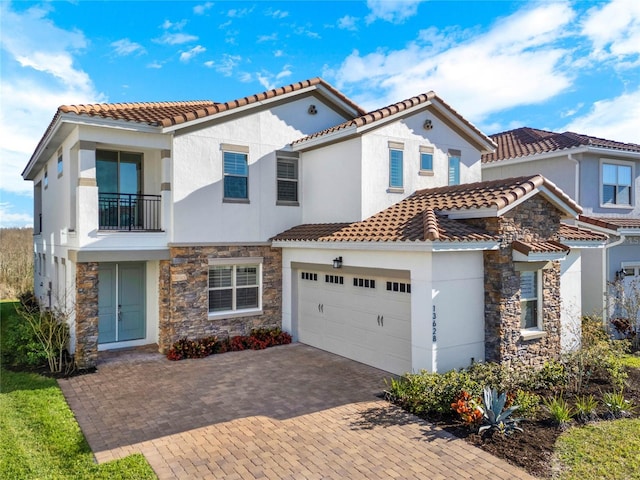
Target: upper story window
[
  {"x": 45, "y": 181},
  {"x": 616, "y": 181},
  {"x": 287, "y": 178},
  {"x": 396, "y": 169},
  {"x": 235, "y": 287},
  {"x": 60, "y": 165},
  {"x": 530, "y": 300},
  {"x": 426, "y": 160},
  {"x": 236, "y": 172},
  {"x": 454, "y": 167}
]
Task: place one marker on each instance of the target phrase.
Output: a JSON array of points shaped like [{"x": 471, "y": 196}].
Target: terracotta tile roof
[
  {"x": 530, "y": 141},
  {"x": 612, "y": 223},
  {"x": 548, "y": 246},
  {"x": 573, "y": 233},
  {"x": 420, "y": 216},
  {"x": 382, "y": 113}
]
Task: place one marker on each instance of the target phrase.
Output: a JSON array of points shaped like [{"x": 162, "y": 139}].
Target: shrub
[
  {"x": 585, "y": 408},
  {"x": 21, "y": 346},
  {"x": 552, "y": 374},
  {"x": 528, "y": 402},
  {"x": 467, "y": 407},
  {"x": 617, "y": 405},
  {"x": 560, "y": 410}
]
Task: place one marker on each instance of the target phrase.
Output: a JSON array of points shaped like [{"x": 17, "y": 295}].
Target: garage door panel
[{"x": 369, "y": 325}]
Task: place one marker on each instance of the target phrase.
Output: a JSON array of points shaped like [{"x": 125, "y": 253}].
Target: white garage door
[{"x": 365, "y": 318}]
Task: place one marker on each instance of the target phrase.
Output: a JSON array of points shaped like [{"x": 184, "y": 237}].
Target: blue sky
[{"x": 556, "y": 65}]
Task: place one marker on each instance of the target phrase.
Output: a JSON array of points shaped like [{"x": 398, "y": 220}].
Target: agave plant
[{"x": 495, "y": 416}]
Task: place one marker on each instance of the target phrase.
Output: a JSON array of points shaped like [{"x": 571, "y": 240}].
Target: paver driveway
[{"x": 290, "y": 412}]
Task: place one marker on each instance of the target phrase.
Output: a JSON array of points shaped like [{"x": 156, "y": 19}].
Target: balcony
[{"x": 126, "y": 212}]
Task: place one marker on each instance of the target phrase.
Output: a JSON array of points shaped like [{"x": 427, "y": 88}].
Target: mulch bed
[{"x": 532, "y": 450}]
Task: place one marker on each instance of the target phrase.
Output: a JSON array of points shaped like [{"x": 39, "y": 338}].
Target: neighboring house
[
  {"x": 158, "y": 221},
  {"x": 603, "y": 176}
]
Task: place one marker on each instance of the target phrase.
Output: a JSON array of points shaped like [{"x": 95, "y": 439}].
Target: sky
[{"x": 554, "y": 65}]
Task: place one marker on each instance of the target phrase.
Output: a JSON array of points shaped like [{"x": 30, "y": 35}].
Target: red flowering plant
[{"x": 468, "y": 408}]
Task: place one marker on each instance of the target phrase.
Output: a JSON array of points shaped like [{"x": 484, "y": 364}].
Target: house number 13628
[{"x": 434, "y": 324}]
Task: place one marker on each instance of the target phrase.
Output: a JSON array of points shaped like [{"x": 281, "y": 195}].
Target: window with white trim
[
  {"x": 236, "y": 175},
  {"x": 530, "y": 299},
  {"x": 426, "y": 159},
  {"x": 45, "y": 181},
  {"x": 60, "y": 165},
  {"x": 396, "y": 168},
  {"x": 454, "y": 167},
  {"x": 616, "y": 181},
  {"x": 287, "y": 178},
  {"x": 234, "y": 288}
]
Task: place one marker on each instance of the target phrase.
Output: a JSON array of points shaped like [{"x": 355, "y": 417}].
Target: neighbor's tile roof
[
  {"x": 384, "y": 112},
  {"x": 571, "y": 232},
  {"x": 612, "y": 223},
  {"x": 419, "y": 218},
  {"x": 530, "y": 141}
]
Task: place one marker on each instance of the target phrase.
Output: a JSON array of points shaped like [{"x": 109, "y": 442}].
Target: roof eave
[
  {"x": 534, "y": 157},
  {"x": 415, "y": 245}
]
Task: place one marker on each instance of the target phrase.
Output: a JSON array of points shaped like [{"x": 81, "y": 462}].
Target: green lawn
[{"x": 39, "y": 436}]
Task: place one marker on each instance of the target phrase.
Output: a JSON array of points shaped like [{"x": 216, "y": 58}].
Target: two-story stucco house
[
  {"x": 603, "y": 176},
  {"x": 296, "y": 208}
]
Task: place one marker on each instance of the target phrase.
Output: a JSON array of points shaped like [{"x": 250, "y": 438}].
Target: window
[
  {"x": 396, "y": 170},
  {"x": 60, "y": 166},
  {"x": 616, "y": 184},
  {"x": 337, "y": 279},
  {"x": 233, "y": 288},
  {"x": 46, "y": 177},
  {"x": 287, "y": 179},
  {"x": 454, "y": 167},
  {"x": 399, "y": 287},
  {"x": 309, "y": 276},
  {"x": 364, "y": 283},
  {"x": 426, "y": 159},
  {"x": 236, "y": 175},
  {"x": 530, "y": 299}
]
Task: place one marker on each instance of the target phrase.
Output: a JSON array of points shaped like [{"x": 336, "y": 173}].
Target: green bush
[
  {"x": 20, "y": 345},
  {"x": 529, "y": 404}
]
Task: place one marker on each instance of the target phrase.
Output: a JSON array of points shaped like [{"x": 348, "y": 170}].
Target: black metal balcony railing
[{"x": 129, "y": 212}]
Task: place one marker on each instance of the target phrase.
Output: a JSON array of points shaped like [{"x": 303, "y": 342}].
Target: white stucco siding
[
  {"x": 560, "y": 170},
  {"x": 571, "y": 299},
  {"x": 458, "y": 304},
  {"x": 409, "y": 131},
  {"x": 199, "y": 212},
  {"x": 593, "y": 283},
  {"x": 331, "y": 183}
]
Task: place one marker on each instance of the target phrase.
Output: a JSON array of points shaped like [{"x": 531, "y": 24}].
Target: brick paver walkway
[{"x": 291, "y": 412}]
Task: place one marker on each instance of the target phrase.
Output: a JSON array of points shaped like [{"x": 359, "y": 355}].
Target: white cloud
[
  {"x": 614, "y": 119},
  {"x": 126, "y": 47},
  {"x": 225, "y": 65},
  {"x": 9, "y": 218},
  {"x": 348, "y": 23},
  {"x": 614, "y": 29},
  {"x": 306, "y": 31},
  {"x": 176, "y": 38},
  {"x": 394, "y": 11},
  {"x": 189, "y": 54},
  {"x": 154, "y": 64},
  {"x": 268, "y": 38},
  {"x": 278, "y": 53},
  {"x": 517, "y": 62},
  {"x": 277, "y": 14},
  {"x": 239, "y": 12},
  {"x": 268, "y": 80},
  {"x": 40, "y": 73},
  {"x": 201, "y": 9}
]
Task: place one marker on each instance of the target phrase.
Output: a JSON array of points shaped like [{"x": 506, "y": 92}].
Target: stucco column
[
  {"x": 86, "y": 191},
  {"x": 165, "y": 192},
  {"x": 423, "y": 348}
]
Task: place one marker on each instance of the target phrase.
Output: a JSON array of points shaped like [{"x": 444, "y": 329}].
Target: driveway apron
[{"x": 289, "y": 412}]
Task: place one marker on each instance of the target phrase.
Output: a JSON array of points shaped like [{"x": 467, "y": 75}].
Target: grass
[
  {"x": 607, "y": 450},
  {"x": 39, "y": 436}
]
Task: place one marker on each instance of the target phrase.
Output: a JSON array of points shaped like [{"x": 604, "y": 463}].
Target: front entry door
[{"x": 121, "y": 294}]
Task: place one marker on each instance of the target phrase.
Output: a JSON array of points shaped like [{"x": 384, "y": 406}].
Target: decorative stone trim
[{"x": 86, "y": 355}]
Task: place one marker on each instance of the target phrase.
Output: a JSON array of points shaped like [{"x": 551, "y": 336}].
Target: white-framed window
[
  {"x": 60, "y": 165},
  {"x": 235, "y": 286},
  {"x": 287, "y": 178},
  {"x": 235, "y": 160},
  {"x": 396, "y": 167},
  {"x": 45, "y": 181},
  {"x": 454, "y": 167},
  {"x": 616, "y": 180},
  {"x": 426, "y": 160},
  {"x": 531, "y": 300}
]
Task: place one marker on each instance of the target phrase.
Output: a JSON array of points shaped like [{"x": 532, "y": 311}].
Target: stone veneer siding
[
  {"x": 86, "y": 355},
  {"x": 184, "y": 294},
  {"x": 534, "y": 220}
]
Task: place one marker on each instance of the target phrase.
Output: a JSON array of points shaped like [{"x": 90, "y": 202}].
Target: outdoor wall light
[
  {"x": 337, "y": 262},
  {"x": 427, "y": 124},
  {"x": 619, "y": 273}
]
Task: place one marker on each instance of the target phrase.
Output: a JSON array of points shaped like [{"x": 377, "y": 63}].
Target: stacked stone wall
[
  {"x": 86, "y": 355},
  {"x": 184, "y": 295}
]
